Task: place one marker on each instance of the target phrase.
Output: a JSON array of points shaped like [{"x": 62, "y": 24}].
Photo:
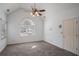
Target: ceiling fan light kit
[{"x": 36, "y": 12}]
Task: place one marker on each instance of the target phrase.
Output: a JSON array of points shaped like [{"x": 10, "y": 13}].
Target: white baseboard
[
  {"x": 56, "y": 45},
  {"x": 53, "y": 44},
  {"x": 22, "y": 42},
  {"x": 2, "y": 49}
]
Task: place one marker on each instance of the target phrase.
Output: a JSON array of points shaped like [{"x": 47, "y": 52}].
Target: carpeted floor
[{"x": 40, "y": 48}]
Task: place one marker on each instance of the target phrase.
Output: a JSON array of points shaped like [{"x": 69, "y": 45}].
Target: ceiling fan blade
[
  {"x": 40, "y": 14},
  {"x": 43, "y": 10}
]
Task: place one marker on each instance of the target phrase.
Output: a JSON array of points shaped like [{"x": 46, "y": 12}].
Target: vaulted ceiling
[
  {"x": 28, "y": 6},
  {"x": 14, "y": 6}
]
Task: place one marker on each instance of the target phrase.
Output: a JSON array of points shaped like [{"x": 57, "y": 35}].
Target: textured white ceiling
[
  {"x": 12, "y": 7},
  {"x": 28, "y": 6},
  {"x": 15, "y": 6}
]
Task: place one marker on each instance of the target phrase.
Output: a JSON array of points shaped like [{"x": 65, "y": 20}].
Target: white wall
[
  {"x": 3, "y": 42},
  {"x": 55, "y": 14},
  {"x": 14, "y": 20}
]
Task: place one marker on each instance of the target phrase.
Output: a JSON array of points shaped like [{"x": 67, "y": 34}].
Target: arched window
[{"x": 27, "y": 27}]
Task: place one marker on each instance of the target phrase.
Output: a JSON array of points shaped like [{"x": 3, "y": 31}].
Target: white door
[{"x": 68, "y": 33}]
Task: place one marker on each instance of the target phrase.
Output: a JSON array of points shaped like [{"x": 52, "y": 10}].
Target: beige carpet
[{"x": 40, "y": 48}]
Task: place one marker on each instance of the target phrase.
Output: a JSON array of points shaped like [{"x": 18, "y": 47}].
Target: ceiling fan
[{"x": 37, "y": 12}]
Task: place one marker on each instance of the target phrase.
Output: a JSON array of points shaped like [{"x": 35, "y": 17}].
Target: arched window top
[
  {"x": 28, "y": 22},
  {"x": 27, "y": 27}
]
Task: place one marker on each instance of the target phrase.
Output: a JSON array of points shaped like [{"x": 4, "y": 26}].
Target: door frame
[{"x": 63, "y": 30}]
